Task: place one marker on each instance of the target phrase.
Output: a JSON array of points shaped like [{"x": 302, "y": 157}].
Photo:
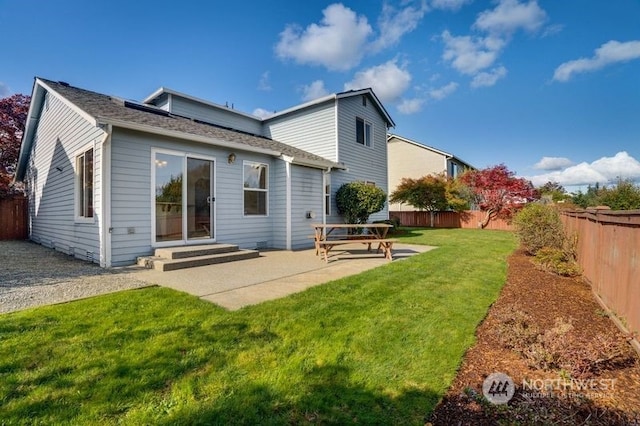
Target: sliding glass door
[{"x": 184, "y": 198}]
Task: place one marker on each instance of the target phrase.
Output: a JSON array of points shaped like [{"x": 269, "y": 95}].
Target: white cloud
[
  {"x": 4, "y": 90},
  {"x": 396, "y": 23},
  {"x": 487, "y": 79},
  {"x": 609, "y": 53},
  {"x": 511, "y": 15},
  {"x": 553, "y": 163},
  {"x": 262, "y": 113},
  {"x": 449, "y": 4},
  {"x": 410, "y": 106},
  {"x": 604, "y": 170},
  {"x": 388, "y": 81},
  {"x": 314, "y": 90},
  {"x": 336, "y": 43},
  {"x": 444, "y": 91},
  {"x": 264, "y": 84},
  {"x": 469, "y": 55}
]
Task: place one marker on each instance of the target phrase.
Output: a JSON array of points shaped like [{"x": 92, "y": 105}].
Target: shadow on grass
[
  {"x": 112, "y": 376},
  {"x": 328, "y": 396}
]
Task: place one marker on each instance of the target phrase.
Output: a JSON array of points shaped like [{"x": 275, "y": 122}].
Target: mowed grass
[{"x": 379, "y": 347}]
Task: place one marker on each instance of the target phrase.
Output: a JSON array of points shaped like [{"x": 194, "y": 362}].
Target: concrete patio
[{"x": 274, "y": 274}]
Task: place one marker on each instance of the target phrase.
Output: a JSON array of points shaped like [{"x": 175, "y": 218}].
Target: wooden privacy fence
[
  {"x": 609, "y": 255},
  {"x": 14, "y": 219},
  {"x": 467, "y": 219}
]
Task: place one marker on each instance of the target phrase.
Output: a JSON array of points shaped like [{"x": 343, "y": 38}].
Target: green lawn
[{"x": 380, "y": 347}]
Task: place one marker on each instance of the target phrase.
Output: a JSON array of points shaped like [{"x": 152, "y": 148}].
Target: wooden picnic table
[{"x": 376, "y": 234}]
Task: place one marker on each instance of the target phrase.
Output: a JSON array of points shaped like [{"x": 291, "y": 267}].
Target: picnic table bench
[{"x": 325, "y": 241}]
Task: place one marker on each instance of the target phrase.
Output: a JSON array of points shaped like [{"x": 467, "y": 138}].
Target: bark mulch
[{"x": 569, "y": 363}]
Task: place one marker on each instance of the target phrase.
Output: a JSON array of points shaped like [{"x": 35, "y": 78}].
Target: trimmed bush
[
  {"x": 538, "y": 226},
  {"x": 357, "y": 201}
]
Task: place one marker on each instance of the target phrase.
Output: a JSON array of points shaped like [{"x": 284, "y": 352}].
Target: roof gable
[
  {"x": 368, "y": 92},
  {"x": 100, "y": 109}
]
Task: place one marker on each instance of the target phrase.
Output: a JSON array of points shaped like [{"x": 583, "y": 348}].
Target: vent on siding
[{"x": 260, "y": 245}]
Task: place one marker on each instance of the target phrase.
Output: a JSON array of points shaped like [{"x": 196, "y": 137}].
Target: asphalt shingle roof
[{"x": 107, "y": 108}]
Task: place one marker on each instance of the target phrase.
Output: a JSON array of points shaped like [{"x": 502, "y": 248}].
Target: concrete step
[
  {"x": 193, "y": 251},
  {"x": 164, "y": 264}
]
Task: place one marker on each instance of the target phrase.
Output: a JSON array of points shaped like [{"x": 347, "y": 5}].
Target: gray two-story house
[{"x": 110, "y": 179}]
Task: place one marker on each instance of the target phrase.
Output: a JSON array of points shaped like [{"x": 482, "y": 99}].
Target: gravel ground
[{"x": 32, "y": 275}]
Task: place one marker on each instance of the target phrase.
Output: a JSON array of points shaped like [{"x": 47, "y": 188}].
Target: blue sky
[{"x": 550, "y": 88}]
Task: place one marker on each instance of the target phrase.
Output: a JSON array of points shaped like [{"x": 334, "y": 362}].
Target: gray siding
[
  {"x": 363, "y": 163},
  {"x": 219, "y": 116},
  {"x": 61, "y": 134},
  {"x": 132, "y": 203},
  {"x": 312, "y": 129},
  {"x": 307, "y": 195}
]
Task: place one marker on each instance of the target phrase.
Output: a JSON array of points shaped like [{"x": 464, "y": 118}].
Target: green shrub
[
  {"x": 357, "y": 201},
  {"x": 538, "y": 225},
  {"x": 558, "y": 261}
]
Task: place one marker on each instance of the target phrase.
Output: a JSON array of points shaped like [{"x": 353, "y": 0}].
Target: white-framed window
[
  {"x": 364, "y": 132},
  {"x": 256, "y": 188},
  {"x": 84, "y": 185},
  {"x": 327, "y": 199}
]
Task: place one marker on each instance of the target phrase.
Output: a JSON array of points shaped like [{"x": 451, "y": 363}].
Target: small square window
[{"x": 255, "y": 189}]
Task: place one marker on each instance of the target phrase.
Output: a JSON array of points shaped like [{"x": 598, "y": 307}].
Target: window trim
[
  {"x": 368, "y": 142},
  {"x": 265, "y": 190},
  {"x": 79, "y": 217}
]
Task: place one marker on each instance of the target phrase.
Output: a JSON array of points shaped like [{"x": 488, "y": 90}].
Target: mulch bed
[{"x": 595, "y": 382}]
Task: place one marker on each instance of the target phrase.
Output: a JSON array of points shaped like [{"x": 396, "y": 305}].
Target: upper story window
[
  {"x": 84, "y": 184},
  {"x": 364, "y": 132},
  {"x": 256, "y": 189}
]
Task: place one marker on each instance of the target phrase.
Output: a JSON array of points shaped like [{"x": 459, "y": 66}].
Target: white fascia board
[
  {"x": 371, "y": 93},
  {"x": 186, "y": 136},
  {"x": 418, "y": 144},
  {"x": 38, "y": 94},
  {"x": 33, "y": 116},
  {"x": 317, "y": 164},
  {"x": 82, "y": 113}
]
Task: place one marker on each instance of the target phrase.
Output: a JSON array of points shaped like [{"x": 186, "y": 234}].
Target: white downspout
[{"x": 105, "y": 199}]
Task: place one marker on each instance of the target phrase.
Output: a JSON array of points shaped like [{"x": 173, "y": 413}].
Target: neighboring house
[
  {"x": 110, "y": 179},
  {"x": 411, "y": 159}
]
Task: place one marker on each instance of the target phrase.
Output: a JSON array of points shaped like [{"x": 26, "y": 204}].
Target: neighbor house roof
[
  {"x": 100, "y": 109},
  {"x": 430, "y": 148}
]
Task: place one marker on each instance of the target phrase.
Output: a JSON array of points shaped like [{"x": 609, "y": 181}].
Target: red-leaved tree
[
  {"x": 13, "y": 115},
  {"x": 498, "y": 192}
]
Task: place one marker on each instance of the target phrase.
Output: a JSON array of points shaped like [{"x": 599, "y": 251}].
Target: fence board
[
  {"x": 470, "y": 219},
  {"x": 608, "y": 252},
  {"x": 14, "y": 219}
]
